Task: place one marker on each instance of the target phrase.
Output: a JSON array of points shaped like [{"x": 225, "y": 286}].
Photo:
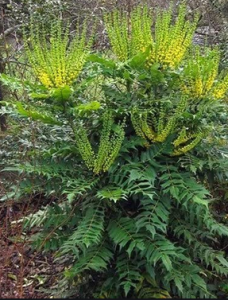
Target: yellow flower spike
[
  {"x": 198, "y": 87},
  {"x": 211, "y": 79},
  {"x": 153, "y": 129},
  {"x": 220, "y": 88},
  {"x": 219, "y": 92},
  {"x": 200, "y": 75},
  {"x": 109, "y": 145},
  {"x": 56, "y": 62},
  {"x": 130, "y": 36},
  {"x": 190, "y": 146},
  {"x": 145, "y": 128},
  {"x": 44, "y": 79}
]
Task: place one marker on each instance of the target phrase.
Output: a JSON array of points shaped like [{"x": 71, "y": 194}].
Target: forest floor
[{"x": 24, "y": 273}]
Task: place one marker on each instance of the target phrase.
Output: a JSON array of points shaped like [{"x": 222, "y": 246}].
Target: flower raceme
[
  {"x": 172, "y": 40},
  {"x": 200, "y": 76},
  {"x": 154, "y": 129},
  {"x": 56, "y": 61},
  {"x": 132, "y": 34},
  {"x": 129, "y": 35},
  {"x": 220, "y": 88},
  {"x": 109, "y": 146}
]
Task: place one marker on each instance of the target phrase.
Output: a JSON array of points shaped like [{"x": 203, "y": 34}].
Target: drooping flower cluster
[
  {"x": 186, "y": 142},
  {"x": 153, "y": 129}
]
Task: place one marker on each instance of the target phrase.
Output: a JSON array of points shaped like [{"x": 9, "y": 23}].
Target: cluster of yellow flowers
[
  {"x": 163, "y": 128},
  {"x": 200, "y": 76},
  {"x": 171, "y": 41},
  {"x": 186, "y": 142},
  {"x": 220, "y": 88},
  {"x": 128, "y": 35},
  {"x": 157, "y": 130},
  {"x": 44, "y": 78},
  {"x": 109, "y": 146},
  {"x": 131, "y": 35},
  {"x": 56, "y": 62},
  {"x": 59, "y": 77},
  {"x": 140, "y": 36}
]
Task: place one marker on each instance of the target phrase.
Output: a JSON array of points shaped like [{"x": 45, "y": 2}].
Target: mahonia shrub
[{"x": 134, "y": 215}]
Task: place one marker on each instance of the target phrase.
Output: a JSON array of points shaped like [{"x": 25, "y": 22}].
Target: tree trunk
[{"x": 3, "y": 124}]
